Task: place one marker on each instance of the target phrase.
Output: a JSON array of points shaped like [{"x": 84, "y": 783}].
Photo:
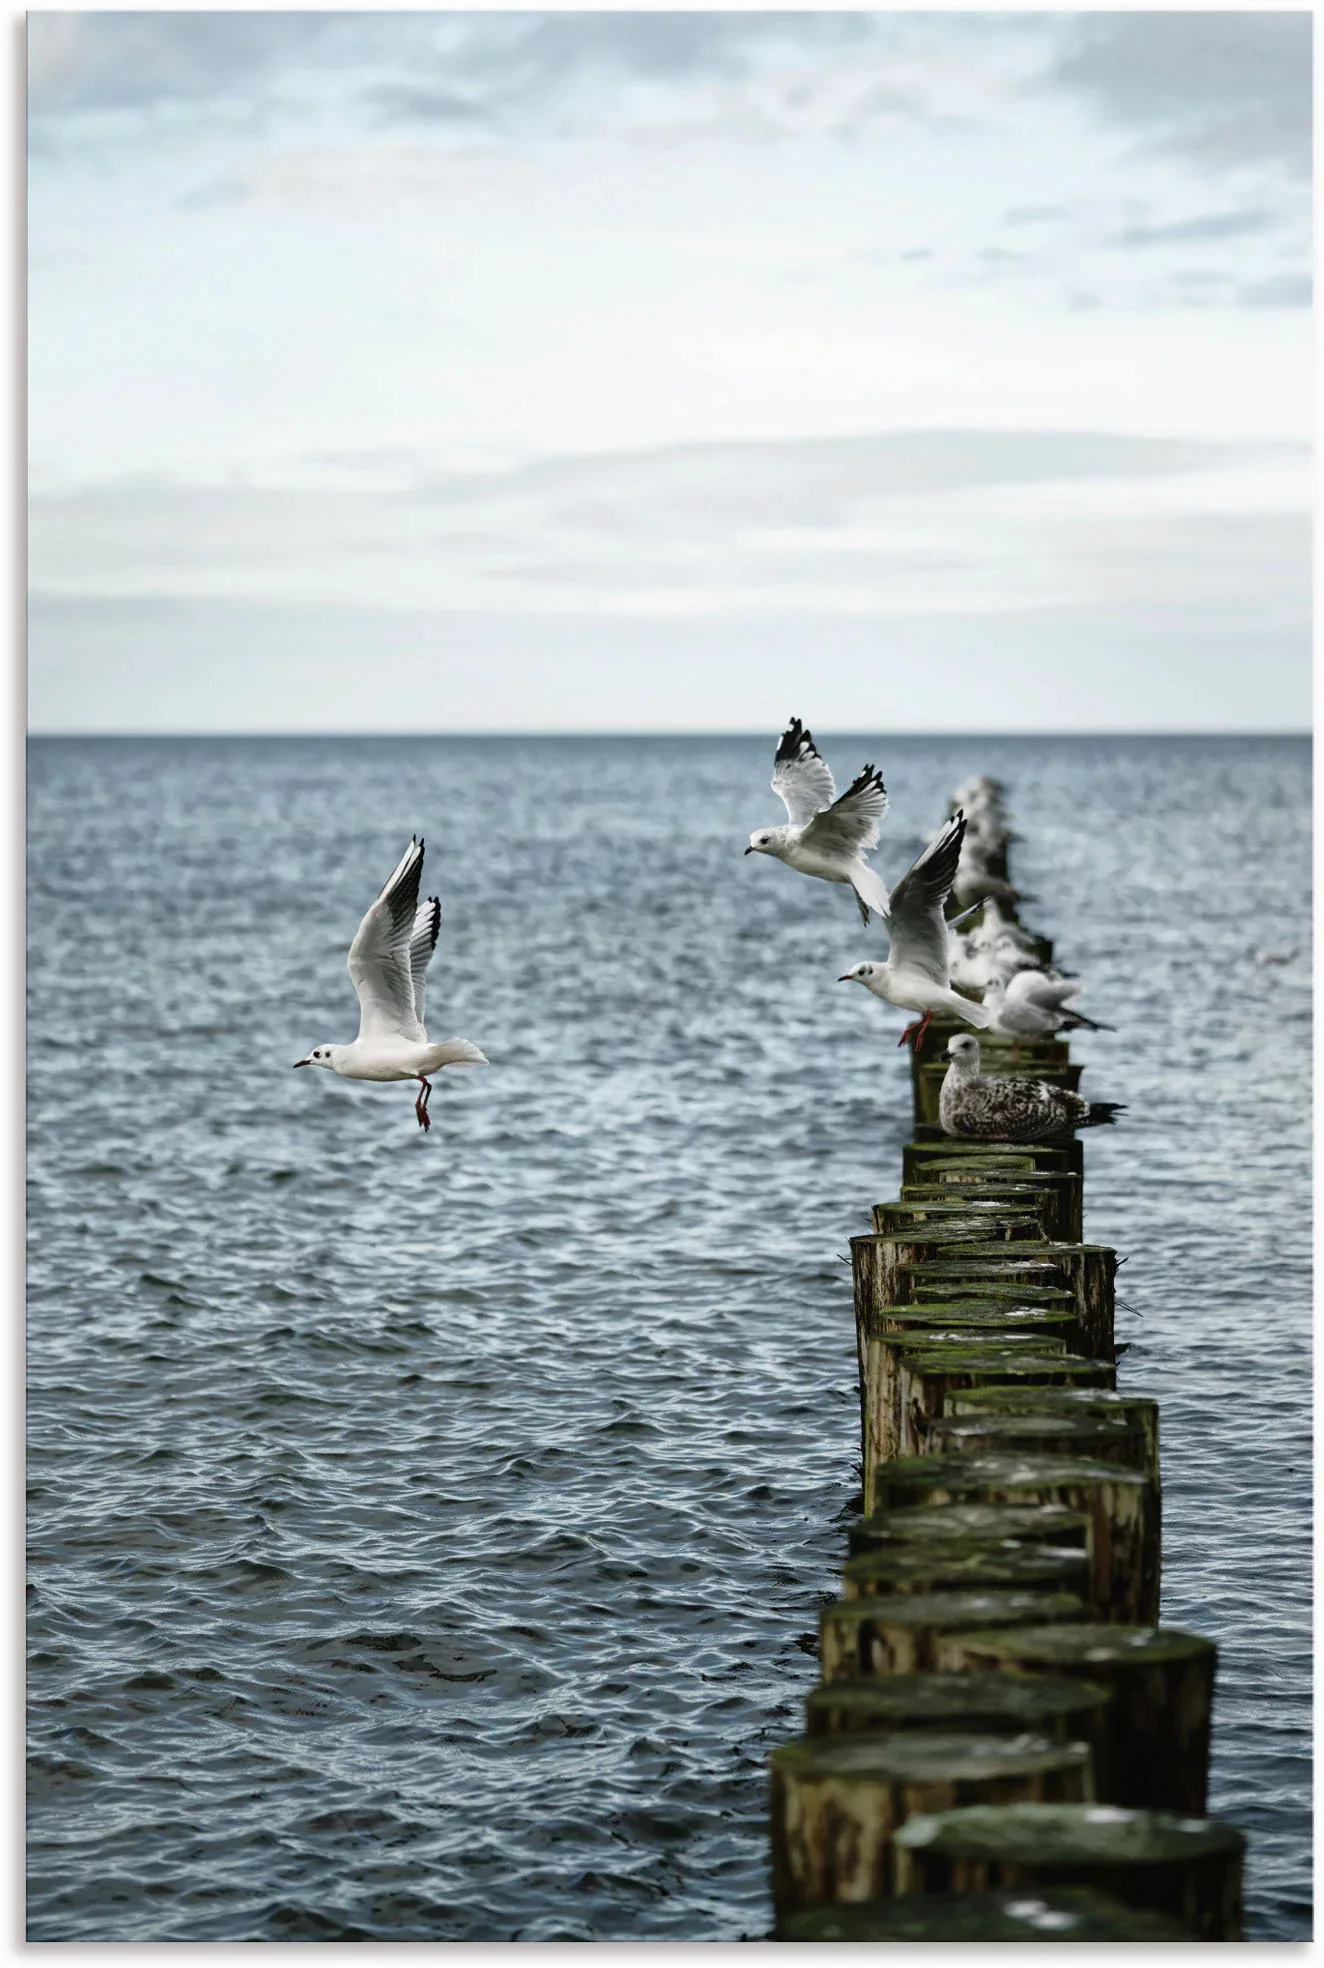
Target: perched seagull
[
  {"x": 1033, "y": 1005},
  {"x": 1004, "y": 1109},
  {"x": 388, "y": 962},
  {"x": 916, "y": 975},
  {"x": 827, "y": 837}
]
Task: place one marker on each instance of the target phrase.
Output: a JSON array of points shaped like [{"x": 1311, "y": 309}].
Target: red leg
[
  {"x": 906, "y": 1034},
  {"x": 421, "y": 1104},
  {"x": 924, "y": 1026}
]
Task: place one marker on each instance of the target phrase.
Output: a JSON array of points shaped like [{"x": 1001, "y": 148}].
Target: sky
[{"x": 627, "y": 371}]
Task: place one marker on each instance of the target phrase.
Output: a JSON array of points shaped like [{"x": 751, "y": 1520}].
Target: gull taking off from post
[
  {"x": 916, "y": 976},
  {"x": 1032, "y": 1005},
  {"x": 1004, "y": 1109},
  {"x": 388, "y": 962},
  {"x": 827, "y": 837}
]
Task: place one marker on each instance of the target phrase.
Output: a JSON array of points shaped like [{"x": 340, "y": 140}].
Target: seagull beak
[
  {"x": 847, "y": 979},
  {"x": 749, "y": 850},
  {"x": 303, "y": 1062}
]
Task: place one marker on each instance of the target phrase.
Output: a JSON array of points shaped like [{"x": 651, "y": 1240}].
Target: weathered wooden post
[
  {"x": 899, "y": 1635},
  {"x": 968, "y": 1526},
  {"x": 1155, "y": 1748},
  {"x": 1187, "y": 1868},
  {"x": 1139, "y": 1411},
  {"x": 1118, "y": 1501},
  {"x": 1044, "y": 1567},
  {"x": 925, "y": 1377},
  {"x": 1057, "y": 1197},
  {"x": 1058, "y": 1913},
  {"x": 837, "y": 1800},
  {"x": 1059, "y": 1157},
  {"x": 1106, "y": 1437},
  {"x": 1063, "y": 1709}
]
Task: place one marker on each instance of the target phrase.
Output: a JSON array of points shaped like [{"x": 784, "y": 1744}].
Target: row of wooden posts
[{"x": 1005, "y": 1744}]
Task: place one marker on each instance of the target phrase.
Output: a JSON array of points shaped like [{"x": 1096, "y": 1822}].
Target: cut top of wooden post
[
  {"x": 1058, "y": 1913},
  {"x": 1047, "y": 1835},
  {"x": 1044, "y": 1704},
  {"x": 965, "y": 1524}
]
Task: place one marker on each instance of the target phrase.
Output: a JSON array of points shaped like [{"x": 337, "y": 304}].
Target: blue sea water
[{"x": 427, "y": 1533}]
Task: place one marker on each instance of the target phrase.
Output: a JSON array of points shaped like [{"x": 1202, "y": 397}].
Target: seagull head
[
  {"x": 964, "y": 1049},
  {"x": 319, "y": 1056},
  {"x": 764, "y": 842},
  {"x": 860, "y": 975}
]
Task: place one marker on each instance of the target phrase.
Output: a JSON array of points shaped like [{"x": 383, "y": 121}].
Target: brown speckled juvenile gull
[{"x": 976, "y": 1109}]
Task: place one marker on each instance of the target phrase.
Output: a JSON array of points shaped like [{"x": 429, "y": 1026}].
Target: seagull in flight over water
[
  {"x": 388, "y": 962},
  {"x": 916, "y": 975},
  {"x": 827, "y": 836}
]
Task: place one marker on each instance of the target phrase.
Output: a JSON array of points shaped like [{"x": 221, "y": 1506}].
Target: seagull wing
[
  {"x": 427, "y": 926},
  {"x": 800, "y": 778},
  {"x": 850, "y": 825},
  {"x": 1045, "y": 993},
  {"x": 381, "y": 955},
  {"x": 914, "y": 913}
]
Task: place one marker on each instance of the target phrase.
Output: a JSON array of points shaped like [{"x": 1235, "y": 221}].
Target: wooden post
[
  {"x": 1033, "y": 1568},
  {"x": 1087, "y": 1271},
  {"x": 837, "y": 1800},
  {"x": 1155, "y": 1749},
  {"x": 975, "y": 1359},
  {"x": 967, "y": 1526},
  {"x": 1106, "y": 1437},
  {"x": 1062, "y": 1157},
  {"x": 1056, "y": 1913},
  {"x": 864, "y": 1637},
  {"x": 924, "y": 1377},
  {"x": 940, "y": 1210},
  {"x": 1058, "y": 1195},
  {"x": 1139, "y": 1411},
  {"x": 1119, "y": 1503},
  {"x": 1063, "y": 1709},
  {"x": 1186, "y": 1868}
]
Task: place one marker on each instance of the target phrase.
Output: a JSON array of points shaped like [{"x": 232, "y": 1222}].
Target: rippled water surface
[{"x": 428, "y": 1533}]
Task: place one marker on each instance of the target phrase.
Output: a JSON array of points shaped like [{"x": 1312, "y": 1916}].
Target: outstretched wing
[
  {"x": 800, "y": 778},
  {"x": 381, "y": 955},
  {"x": 914, "y": 912},
  {"x": 850, "y": 825},
  {"x": 427, "y": 925}
]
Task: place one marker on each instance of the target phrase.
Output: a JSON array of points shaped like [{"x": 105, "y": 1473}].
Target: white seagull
[
  {"x": 1033, "y": 1005},
  {"x": 828, "y": 837},
  {"x": 388, "y": 962},
  {"x": 916, "y": 974}
]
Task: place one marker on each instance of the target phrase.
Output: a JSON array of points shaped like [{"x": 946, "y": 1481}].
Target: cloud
[
  {"x": 1205, "y": 226},
  {"x": 1226, "y": 90},
  {"x": 1283, "y": 290}
]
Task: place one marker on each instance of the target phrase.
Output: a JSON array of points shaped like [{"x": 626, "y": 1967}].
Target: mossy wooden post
[
  {"x": 1139, "y": 1411},
  {"x": 1059, "y": 1913},
  {"x": 1062, "y": 1157},
  {"x": 976, "y": 1358},
  {"x": 837, "y": 1800},
  {"x": 1155, "y": 1748},
  {"x": 878, "y": 1574},
  {"x": 1063, "y": 1709},
  {"x": 939, "y": 1210},
  {"x": 859, "y": 1638},
  {"x": 1119, "y": 1503},
  {"x": 1087, "y": 1271},
  {"x": 1057, "y": 1193},
  {"x": 986, "y": 1318},
  {"x": 1105, "y": 1437},
  {"x": 971, "y": 1526},
  {"x": 1186, "y": 1868},
  {"x": 924, "y": 1378}
]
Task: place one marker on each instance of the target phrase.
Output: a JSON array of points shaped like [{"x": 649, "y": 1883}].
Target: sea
[{"x": 428, "y": 1532}]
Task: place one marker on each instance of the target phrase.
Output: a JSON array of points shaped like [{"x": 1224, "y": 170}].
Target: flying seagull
[
  {"x": 388, "y": 962},
  {"x": 827, "y": 837},
  {"x": 1005, "y": 1109},
  {"x": 916, "y": 974}
]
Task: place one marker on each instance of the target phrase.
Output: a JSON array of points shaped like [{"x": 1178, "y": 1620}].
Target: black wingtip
[{"x": 795, "y": 742}]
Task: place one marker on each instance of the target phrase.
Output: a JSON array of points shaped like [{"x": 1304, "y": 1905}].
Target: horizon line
[{"x": 691, "y": 732}]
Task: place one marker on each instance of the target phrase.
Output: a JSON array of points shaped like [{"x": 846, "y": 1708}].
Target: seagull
[
  {"x": 827, "y": 837},
  {"x": 388, "y": 962},
  {"x": 916, "y": 974},
  {"x": 1032, "y": 1005},
  {"x": 975, "y": 1109}
]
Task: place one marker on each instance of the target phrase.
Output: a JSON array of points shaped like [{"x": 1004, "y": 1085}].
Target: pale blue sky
[{"x": 476, "y": 372}]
